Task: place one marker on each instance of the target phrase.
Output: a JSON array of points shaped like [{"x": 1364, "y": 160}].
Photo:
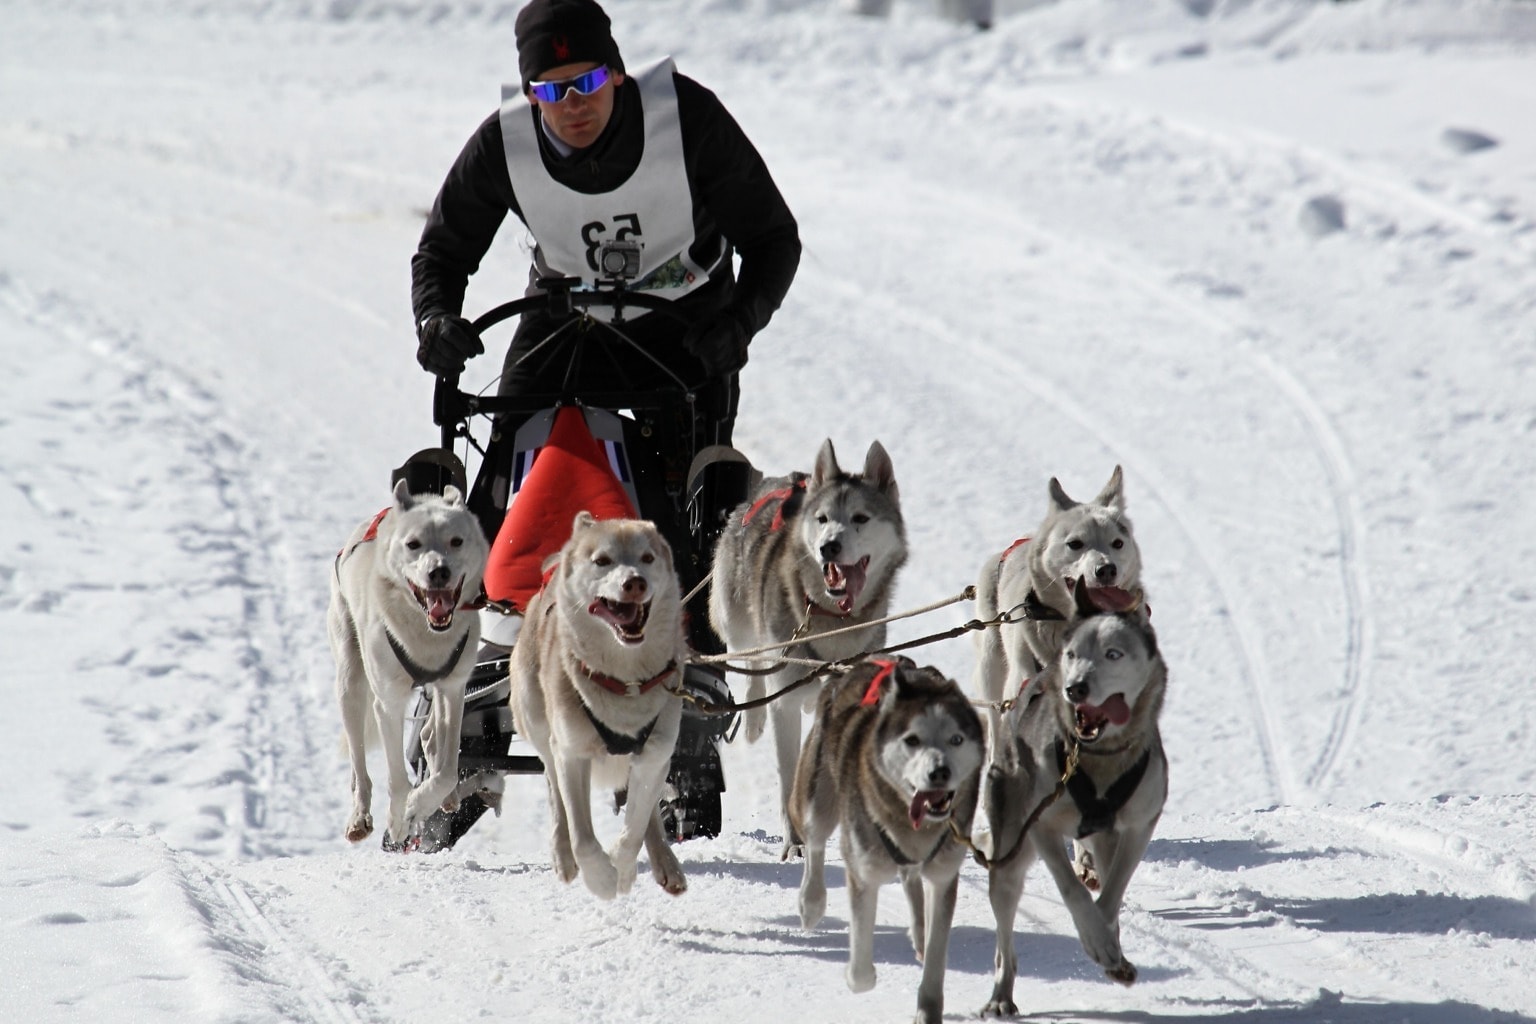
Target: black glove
[
  {"x": 720, "y": 343},
  {"x": 446, "y": 342}
]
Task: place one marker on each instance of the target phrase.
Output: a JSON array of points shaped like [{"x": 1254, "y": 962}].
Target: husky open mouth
[
  {"x": 845, "y": 581},
  {"x": 930, "y": 805},
  {"x": 1090, "y": 720},
  {"x": 627, "y": 618},
  {"x": 1108, "y": 599},
  {"x": 439, "y": 603}
]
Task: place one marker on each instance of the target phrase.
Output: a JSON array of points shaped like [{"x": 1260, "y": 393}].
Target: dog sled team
[{"x": 1054, "y": 755}]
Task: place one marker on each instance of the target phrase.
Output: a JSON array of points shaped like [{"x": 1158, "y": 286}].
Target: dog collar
[
  {"x": 812, "y": 608},
  {"x": 624, "y": 689},
  {"x": 422, "y": 676}
]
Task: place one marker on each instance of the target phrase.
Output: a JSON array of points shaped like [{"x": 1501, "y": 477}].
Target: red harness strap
[
  {"x": 872, "y": 694},
  {"x": 782, "y": 496},
  {"x": 1011, "y": 548},
  {"x": 372, "y": 533}
]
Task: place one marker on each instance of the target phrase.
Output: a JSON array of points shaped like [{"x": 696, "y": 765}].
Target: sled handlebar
[{"x": 452, "y": 407}]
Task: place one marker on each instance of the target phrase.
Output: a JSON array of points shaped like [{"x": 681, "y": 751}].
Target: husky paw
[
  {"x": 860, "y": 979},
  {"x": 1124, "y": 972},
  {"x": 669, "y": 873},
  {"x": 360, "y": 827},
  {"x": 813, "y": 905},
  {"x": 1000, "y": 1008},
  {"x": 755, "y": 722},
  {"x": 624, "y": 871},
  {"x": 1086, "y": 873},
  {"x": 451, "y": 804},
  {"x": 601, "y": 876}
]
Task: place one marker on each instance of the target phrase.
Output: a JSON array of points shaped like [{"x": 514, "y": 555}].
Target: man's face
[{"x": 575, "y": 119}]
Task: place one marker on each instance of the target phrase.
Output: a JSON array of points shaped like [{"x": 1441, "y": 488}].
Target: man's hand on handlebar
[
  {"x": 720, "y": 343},
  {"x": 445, "y": 343}
]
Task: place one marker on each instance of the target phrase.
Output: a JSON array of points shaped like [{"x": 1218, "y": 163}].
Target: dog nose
[
  {"x": 1106, "y": 573},
  {"x": 1077, "y": 693},
  {"x": 439, "y": 576},
  {"x": 831, "y": 549},
  {"x": 634, "y": 588},
  {"x": 939, "y": 775}
]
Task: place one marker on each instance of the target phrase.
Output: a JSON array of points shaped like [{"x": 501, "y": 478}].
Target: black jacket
[{"x": 733, "y": 195}]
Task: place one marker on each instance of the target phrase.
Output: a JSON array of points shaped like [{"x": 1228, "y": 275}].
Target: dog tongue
[
  {"x": 1111, "y": 599},
  {"x": 847, "y": 578},
  {"x": 1116, "y": 709},
  {"x": 440, "y": 603},
  {"x": 620, "y": 613},
  {"x": 921, "y": 801}
]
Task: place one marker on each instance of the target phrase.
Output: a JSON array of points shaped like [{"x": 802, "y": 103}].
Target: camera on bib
[{"x": 619, "y": 260}]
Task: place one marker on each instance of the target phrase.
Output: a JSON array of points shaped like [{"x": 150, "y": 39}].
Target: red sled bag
[{"x": 564, "y": 461}]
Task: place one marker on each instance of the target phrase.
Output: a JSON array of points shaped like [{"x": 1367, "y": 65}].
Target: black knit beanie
[{"x": 554, "y": 32}]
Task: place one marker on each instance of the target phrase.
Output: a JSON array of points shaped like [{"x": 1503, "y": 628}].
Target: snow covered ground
[{"x": 1246, "y": 248}]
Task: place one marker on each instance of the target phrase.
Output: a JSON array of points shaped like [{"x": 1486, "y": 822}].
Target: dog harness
[
  {"x": 422, "y": 676},
  {"x": 900, "y": 857},
  {"x": 784, "y": 496},
  {"x": 872, "y": 693},
  {"x": 1098, "y": 815},
  {"x": 1034, "y": 609},
  {"x": 616, "y": 743}
]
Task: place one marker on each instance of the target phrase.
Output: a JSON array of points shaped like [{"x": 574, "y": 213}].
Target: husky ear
[
  {"x": 452, "y": 495},
  {"x": 1059, "y": 500},
  {"x": 583, "y": 520},
  {"x": 403, "y": 500},
  {"x": 879, "y": 472},
  {"x": 1113, "y": 494},
  {"x": 826, "y": 464}
]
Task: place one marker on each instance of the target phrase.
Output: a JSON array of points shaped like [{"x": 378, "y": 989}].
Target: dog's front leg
[
  {"x": 939, "y": 889},
  {"x": 391, "y": 718},
  {"x": 1099, "y": 941},
  {"x": 786, "y": 713},
  {"x": 352, "y": 694},
  {"x": 575, "y": 782},
  {"x": 440, "y": 787},
  {"x": 912, "y": 886},
  {"x": 1005, "y": 884},
  {"x": 1121, "y": 861},
  {"x": 862, "y": 896},
  {"x": 664, "y": 866},
  {"x": 647, "y": 772}
]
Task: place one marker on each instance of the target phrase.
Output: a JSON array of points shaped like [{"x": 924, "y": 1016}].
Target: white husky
[
  {"x": 1091, "y": 541},
  {"x": 397, "y": 586},
  {"x": 592, "y": 674}
]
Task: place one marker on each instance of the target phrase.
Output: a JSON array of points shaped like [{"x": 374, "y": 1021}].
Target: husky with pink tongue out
[
  {"x": 807, "y": 555},
  {"x": 1092, "y": 716},
  {"x": 893, "y": 762}
]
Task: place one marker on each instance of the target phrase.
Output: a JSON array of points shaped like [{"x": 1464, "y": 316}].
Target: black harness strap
[
  {"x": 616, "y": 743},
  {"x": 1098, "y": 815},
  {"x": 422, "y": 676},
  {"x": 896, "y": 852},
  {"x": 1038, "y": 611}
]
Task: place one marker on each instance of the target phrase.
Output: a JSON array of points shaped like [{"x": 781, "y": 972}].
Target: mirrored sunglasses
[{"x": 586, "y": 84}]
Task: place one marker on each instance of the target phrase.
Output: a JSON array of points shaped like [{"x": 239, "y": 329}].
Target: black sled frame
[{"x": 717, "y": 480}]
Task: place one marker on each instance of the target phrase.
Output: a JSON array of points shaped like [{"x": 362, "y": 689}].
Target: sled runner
[{"x": 638, "y": 453}]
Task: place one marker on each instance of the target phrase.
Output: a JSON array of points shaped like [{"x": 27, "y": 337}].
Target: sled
[{"x": 717, "y": 478}]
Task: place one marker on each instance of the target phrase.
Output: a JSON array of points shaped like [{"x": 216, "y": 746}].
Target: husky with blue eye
[
  {"x": 892, "y": 763},
  {"x": 1092, "y": 716}
]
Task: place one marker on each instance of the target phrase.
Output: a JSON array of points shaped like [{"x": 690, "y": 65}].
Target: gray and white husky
[
  {"x": 592, "y": 678},
  {"x": 808, "y": 554},
  {"x": 1091, "y": 541},
  {"x": 893, "y": 761},
  {"x": 398, "y": 586},
  {"x": 1100, "y": 696}
]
